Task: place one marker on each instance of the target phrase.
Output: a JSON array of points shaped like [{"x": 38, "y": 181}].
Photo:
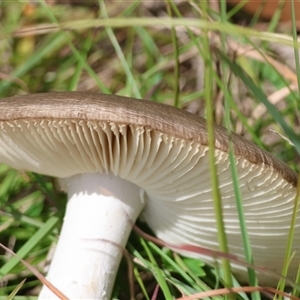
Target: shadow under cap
[{"x": 87, "y": 106}]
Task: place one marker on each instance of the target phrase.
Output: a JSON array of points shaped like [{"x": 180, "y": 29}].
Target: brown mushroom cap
[
  {"x": 164, "y": 151},
  {"x": 83, "y": 106}
]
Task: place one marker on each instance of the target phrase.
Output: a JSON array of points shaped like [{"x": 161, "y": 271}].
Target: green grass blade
[
  {"x": 119, "y": 52},
  {"x": 78, "y": 55},
  {"x": 296, "y": 291},
  {"x": 289, "y": 246},
  {"x": 29, "y": 245},
  {"x": 176, "y": 57},
  {"x": 20, "y": 298},
  {"x": 296, "y": 44},
  {"x": 196, "y": 283},
  {"x": 141, "y": 283},
  {"x": 211, "y": 144},
  {"x": 16, "y": 290},
  {"x": 276, "y": 16},
  {"x": 259, "y": 94},
  {"x": 180, "y": 267},
  {"x": 137, "y": 275},
  {"x": 157, "y": 272},
  {"x": 76, "y": 77},
  {"x": 237, "y": 192},
  {"x": 297, "y": 199},
  {"x": 51, "y": 45}
]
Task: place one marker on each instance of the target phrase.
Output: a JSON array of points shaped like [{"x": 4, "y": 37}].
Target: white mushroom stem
[{"x": 86, "y": 259}]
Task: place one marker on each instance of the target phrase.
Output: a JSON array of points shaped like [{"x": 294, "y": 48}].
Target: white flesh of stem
[{"x": 97, "y": 219}]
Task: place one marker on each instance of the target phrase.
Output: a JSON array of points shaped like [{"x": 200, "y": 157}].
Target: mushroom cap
[{"x": 163, "y": 150}]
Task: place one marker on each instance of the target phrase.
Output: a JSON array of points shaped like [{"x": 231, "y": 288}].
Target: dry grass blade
[
  {"x": 130, "y": 267},
  {"x": 250, "y": 52},
  {"x": 38, "y": 275},
  {"x": 37, "y": 57},
  {"x": 245, "y": 289},
  {"x": 35, "y": 30},
  {"x": 212, "y": 253},
  {"x": 191, "y": 23},
  {"x": 281, "y": 68},
  {"x": 282, "y": 136},
  {"x": 15, "y": 291},
  {"x": 16, "y": 80},
  {"x": 274, "y": 98}
]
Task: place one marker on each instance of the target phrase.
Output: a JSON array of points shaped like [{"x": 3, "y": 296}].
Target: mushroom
[{"x": 119, "y": 157}]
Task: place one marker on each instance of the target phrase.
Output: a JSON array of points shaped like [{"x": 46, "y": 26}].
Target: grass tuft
[{"x": 209, "y": 59}]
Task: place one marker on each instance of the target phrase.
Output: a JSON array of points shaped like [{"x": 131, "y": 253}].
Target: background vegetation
[{"x": 211, "y": 60}]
